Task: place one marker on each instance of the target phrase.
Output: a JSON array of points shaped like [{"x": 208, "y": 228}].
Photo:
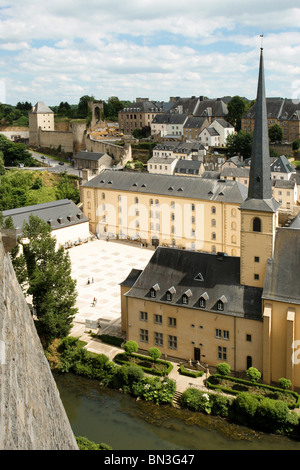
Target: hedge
[
  {"x": 247, "y": 383},
  {"x": 119, "y": 359},
  {"x": 189, "y": 373}
]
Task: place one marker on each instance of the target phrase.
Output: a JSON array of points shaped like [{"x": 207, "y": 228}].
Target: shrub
[
  {"x": 131, "y": 347},
  {"x": 196, "y": 400},
  {"x": 223, "y": 368},
  {"x": 190, "y": 373},
  {"x": 284, "y": 383},
  {"x": 85, "y": 444},
  {"x": 155, "y": 353},
  {"x": 253, "y": 374},
  {"x": 271, "y": 415},
  {"x": 220, "y": 405},
  {"x": 244, "y": 408}
]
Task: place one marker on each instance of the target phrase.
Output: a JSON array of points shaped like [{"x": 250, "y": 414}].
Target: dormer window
[
  {"x": 221, "y": 302},
  {"x": 170, "y": 293},
  {"x": 186, "y": 295},
  {"x": 202, "y": 301},
  {"x": 153, "y": 290}
]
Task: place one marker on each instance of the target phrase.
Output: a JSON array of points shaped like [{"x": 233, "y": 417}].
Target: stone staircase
[{"x": 176, "y": 399}]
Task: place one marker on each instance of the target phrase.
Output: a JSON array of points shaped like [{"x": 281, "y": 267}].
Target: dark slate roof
[
  {"x": 260, "y": 188},
  {"x": 282, "y": 165},
  {"x": 238, "y": 172},
  {"x": 84, "y": 155},
  {"x": 170, "y": 118},
  {"x": 287, "y": 184},
  {"x": 188, "y": 105},
  {"x": 166, "y": 185},
  {"x": 295, "y": 222},
  {"x": 211, "y": 107},
  {"x": 142, "y": 107},
  {"x": 214, "y": 276},
  {"x": 41, "y": 108},
  {"x": 191, "y": 167},
  {"x": 278, "y": 108},
  {"x": 282, "y": 279},
  {"x": 195, "y": 123},
  {"x": 131, "y": 278},
  {"x": 61, "y": 214}
]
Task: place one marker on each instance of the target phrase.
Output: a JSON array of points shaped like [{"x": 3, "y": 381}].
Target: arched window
[{"x": 256, "y": 225}]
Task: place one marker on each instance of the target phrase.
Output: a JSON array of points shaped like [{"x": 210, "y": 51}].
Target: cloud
[{"x": 57, "y": 50}]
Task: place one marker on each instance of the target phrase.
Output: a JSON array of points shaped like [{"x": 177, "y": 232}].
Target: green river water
[{"x": 104, "y": 415}]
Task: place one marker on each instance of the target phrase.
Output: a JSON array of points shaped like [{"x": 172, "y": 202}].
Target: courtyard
[{"x": 99, "y": 267}]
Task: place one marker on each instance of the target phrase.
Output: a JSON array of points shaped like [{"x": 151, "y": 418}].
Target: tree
[
  {"x": 83, "y": 109},
  {"x": 275, "y": 133},
  {"x": 236, "y": 109},
  {"x": 131, "y": 347},
  {"x": 240, "y": 143},
  {"x": 155, "y": 353},
  {"x": 223, "y": 368},
  {"x": 45, "y": 273},
  {"x": 253, "y": 374}
]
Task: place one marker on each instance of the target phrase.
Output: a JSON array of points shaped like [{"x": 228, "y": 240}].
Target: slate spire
[{"x": 260, "y": 187}]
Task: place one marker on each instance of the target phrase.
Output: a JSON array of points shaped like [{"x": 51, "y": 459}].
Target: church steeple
[
  {"x": 259, "y": 214},
  {"x": 260, "y": 187}
]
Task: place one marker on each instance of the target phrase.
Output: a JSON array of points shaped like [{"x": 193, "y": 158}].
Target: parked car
[{"x": 61, "y": 163}]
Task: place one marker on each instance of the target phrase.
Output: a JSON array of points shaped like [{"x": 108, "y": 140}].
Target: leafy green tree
[
  {"x": 155, "y": 353},
  {"x": 83, "y": 109},
  {"x": 253, "y": 374},
  {"x": 236, "y": 109},
  {"x": 275, "y": 133},
  {"x": 131, "y": 347},
  {"x": 45, "y": 273},
  {"x": 223, "y": 368},
  {"x": 240, "y": 143}
]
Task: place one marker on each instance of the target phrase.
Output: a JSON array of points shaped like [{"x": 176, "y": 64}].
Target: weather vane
[{"x": 261, "y": 41}]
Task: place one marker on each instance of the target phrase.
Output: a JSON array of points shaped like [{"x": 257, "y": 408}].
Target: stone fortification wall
[
  {"x": 53, "y": 139},
  {"x": 32, "y": 416},
  {"x": 120, "y": 154}
]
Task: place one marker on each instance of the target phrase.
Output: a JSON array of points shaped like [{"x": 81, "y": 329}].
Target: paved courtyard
[{"x": 106, "y": 265}]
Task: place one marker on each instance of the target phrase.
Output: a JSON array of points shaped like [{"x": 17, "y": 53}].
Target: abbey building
[{"x": 239, "y": 304}]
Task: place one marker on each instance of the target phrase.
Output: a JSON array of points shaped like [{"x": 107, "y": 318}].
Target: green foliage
[
  {"x": 45, "y": 273},
  {"x": 131, "y": 347},
  {"x": 190, "y": 373},
  {"x": 236, "y": 108},
  {"x": 284, "y": 383},
  {"x": 240, "y": 143},
  {"x": 112, "y": 107},
  {"x": 85, "y": 444},
  {"x": 67, "y": 190},
  {"x": 155, "y": 353},
  {"x": 15, "y": 153},
  {"x": 20, "y": 188},
  {"x": 223, "y": 368},
  {"x": 244, "y": 408},
  {"x": 196, "y": 400},
  {"x": 275, "y": 133},
  {"x": 253, "y": 374}
]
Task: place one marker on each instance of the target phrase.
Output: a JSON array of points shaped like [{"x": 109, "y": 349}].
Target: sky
[{"x": 60, "y": 50}]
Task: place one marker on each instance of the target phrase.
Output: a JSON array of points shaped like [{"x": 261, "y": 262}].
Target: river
[{"x": 104, "y": 415}]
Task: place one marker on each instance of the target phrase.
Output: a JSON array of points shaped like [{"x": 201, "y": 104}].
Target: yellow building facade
[
  {"x": 212, "y": 307},
  {"x": 191, "y": 213}
]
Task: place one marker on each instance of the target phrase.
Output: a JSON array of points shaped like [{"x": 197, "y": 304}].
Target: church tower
[{"x": 259, "y": 216}]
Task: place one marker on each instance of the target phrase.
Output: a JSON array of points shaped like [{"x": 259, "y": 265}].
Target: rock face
[{"x": 32, "y": 416}]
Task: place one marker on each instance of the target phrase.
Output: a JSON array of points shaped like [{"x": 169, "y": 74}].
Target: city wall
[{"x": 32, "y": 415}]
